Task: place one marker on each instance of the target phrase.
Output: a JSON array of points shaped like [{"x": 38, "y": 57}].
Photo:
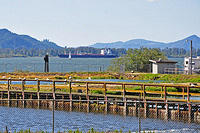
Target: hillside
[
  {"x": 137, "y": 43},
  {"x": 14, "y": 41}
]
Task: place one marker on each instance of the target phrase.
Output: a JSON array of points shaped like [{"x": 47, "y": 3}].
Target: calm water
[
  {"x": 35, "y": 119},
  {"x": 56, "y": 64},
  {"x": 36, "y": 64}
]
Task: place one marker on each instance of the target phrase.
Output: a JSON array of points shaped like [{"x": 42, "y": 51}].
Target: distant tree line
[
  {"x": 55, "y": 52},
  {"x": 169, "y": 52},
  {"x": 180, "y": 52}
]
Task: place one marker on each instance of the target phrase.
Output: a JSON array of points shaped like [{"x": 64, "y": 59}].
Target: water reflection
[{"x": 37, "y": 120}]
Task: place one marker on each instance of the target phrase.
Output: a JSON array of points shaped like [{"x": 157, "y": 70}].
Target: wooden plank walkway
[{"x": 126, "y": 95}]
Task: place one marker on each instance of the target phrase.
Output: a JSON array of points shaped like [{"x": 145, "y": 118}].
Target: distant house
[
  {"x": 163, "y": 66},
  {"x": 195, "y": 64}
]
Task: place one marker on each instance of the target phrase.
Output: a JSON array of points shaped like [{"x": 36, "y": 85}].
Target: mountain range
[
  {"x": 15, "y": 41},
  {"x": 137, "y": 43}
]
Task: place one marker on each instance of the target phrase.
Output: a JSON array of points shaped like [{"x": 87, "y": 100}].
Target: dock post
[
  {"x": 105, "y": 99},
  {"x": 145, "y": 109},
  {"x": 9, "y": 82},
  {"x": 189, "y": 105},
  {"x": 156, "y": 108},
  {"x": 188, "y": 94},
  {"x": 144, "y": 92},
  {"x": 165, "y": 93},
  {"x": 145, "y": 102},
  {"x": 124, "y": 99},
  {"x": 63, "y": 102},
  {"x": 178, "y": 108},
  {"x": 70, "y": 96},
  {"x": 88, "y": 98},
  {"x": 183, "y": 91},
  {"x": 189, "y": 113},
  {"x": 135, "y": 109},
  {"x": 166, "y": 111},
  {"x": 54, "y": 94},
  {"x": 38, "y": 93},
  {"x": 23, "y": 96},
  {"x": 97, "y": 108},
  {"x": 79, "y": 103}
]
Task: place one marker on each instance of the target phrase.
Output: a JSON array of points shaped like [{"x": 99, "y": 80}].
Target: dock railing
[{"x": 143, "y": 91}]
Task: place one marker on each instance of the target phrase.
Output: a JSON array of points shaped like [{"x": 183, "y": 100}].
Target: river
[
  {"x": 39, "y": 119},
  {"x": 36, "y": 64}
]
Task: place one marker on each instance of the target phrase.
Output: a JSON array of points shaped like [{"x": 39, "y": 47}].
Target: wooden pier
[{"x": 153, "y": 100}]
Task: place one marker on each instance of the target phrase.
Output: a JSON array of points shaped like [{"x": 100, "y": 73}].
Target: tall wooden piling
[
  {"x": 105, "y": 98},
  {"x": 54, "y": 94},
  {"x": 166, "y": 111},
  {"x": 156, "y": 109},
  {"x": 88, "y": 98},
  {"x": 8, "y": 88},
  {"x": 23, "y": 96},
  {"x": 124, "y": 99},
  {"x": 70, "y": 96},
  {"x": 38, "y": 93}
]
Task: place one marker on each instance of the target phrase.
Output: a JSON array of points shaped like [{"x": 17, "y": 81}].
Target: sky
[{"x": 75, "y": 23}]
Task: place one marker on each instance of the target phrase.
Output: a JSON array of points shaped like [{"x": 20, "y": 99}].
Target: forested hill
[
  {"x": 9, "y": 40},
  {"x": 137, "y": 43}
]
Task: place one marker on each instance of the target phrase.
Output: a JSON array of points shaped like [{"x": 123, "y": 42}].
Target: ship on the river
[{"x": 105, "y": 53}]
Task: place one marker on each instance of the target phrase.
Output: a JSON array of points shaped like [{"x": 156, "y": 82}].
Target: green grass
[{"x": 170, "y": 78}]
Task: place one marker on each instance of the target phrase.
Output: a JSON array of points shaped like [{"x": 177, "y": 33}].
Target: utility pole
[
  {"x": 191, "y": 57},
  {"x": 190, "y": 66}
]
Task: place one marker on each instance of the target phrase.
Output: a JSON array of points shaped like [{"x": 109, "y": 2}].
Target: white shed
[{"x": 163, "y": 66}]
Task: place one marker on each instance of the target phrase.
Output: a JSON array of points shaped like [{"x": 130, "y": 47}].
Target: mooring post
[
  {"x": 23, "y": 96},
  {"x": 165, "y": 93},
  {"x": 188, "y": 94},
  {"x": 144, "y": 92},
  {"x": 135, "y": 109},
  {"x": 79, "y": 103},
  {"x": 9, "y": 82},
  {"x": 189, "y": 113},
  {"x": 189, "y": 105},
  {"x": 54, "y": 93},
  {"x": 97, "y": 108},
  {"x": 63, "y": 102},
  {"x": 183, "y": 91},
  {"x": 145, "y": 102},
  {"x": 166, "y": 104},
  {"x": 38, "y": 93},
  {"x": 70, "y": 95},
  {"x": 156, "y": 108},
  {"x": 88, "y": 98},
  {"x": 46, "y": 65},
  {"x": 105, "y": 99},
  {"x": 178, "y": 111},
  {"x": 16, "y": 99},
  {"x": 31, "y": 97},
  {"x": 166, "y": 111},
  {"x": 124, "y": 99}
]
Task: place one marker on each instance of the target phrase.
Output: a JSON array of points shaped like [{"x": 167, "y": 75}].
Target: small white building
[
  {"x": 195, "y": 64},
  {"x": 163, "y": 66}
]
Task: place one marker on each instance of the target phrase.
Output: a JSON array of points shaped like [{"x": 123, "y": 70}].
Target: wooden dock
[{"x": 165, "y": 101}]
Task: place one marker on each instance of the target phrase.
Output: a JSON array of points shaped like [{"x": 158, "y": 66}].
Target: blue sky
[{"x": 84, "y": 22}]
